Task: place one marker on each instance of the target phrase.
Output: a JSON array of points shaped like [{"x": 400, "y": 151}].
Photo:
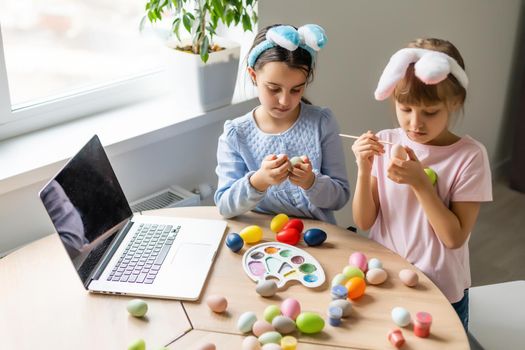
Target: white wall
[{"x": 362, "y": 35}]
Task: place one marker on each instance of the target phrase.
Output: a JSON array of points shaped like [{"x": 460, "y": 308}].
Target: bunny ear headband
[
  {"x": 431, "y": 68},
  {"x": 310, "y": 37}
]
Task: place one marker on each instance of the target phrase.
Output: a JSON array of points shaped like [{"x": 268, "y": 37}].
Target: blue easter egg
[
  {"x": 234, "y": 242},
  {"x": 314, "y": 236}
]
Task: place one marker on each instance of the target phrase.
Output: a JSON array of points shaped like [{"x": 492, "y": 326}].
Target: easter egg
[
  {"x": 431, "y": 175},
  {"x": 266, "y": 288},
  {"x": 344, "y": 304},
  {"x": 352, "y": 271},
  {"x": 217, "y": 303},
  {"x": 290, "y": 307},
  {"x": 359, "y": 259},
  {"x": 270, "y": 337},
  {"x": 289, "y": 236},
  {"x": 261, "y": 326},
  {"x": 375, "y": 263},
  {"x": 309, "y": 323},
  {"x": 340, "y": 279},
  {"x": 137, "y": 307},
  {"x": 408, "y": 277},
  {"x": 246, "y": 321},
  {"x": 356, "y": 287},
  {"x": 288, "y": 343},
  {"x": 270, "y": 312},
  {"x": 278, "y": 222},
  {"x": 234, "y": 242},
  {"x": 376, "y": 276},
  {"x": 251, "y": 234},
  {"x": 206, "y": 346},
  {"x": 139, "y": 344},
  {"x": 251, "y": 343},
  {"x": 294, "y": 223},
  {"x": 283, "y": 324},
  {"x": 398, "y": 151},
  {"x": 314, "y": 237},
  {"x": 296, "y": 160},
  {"x": 271, "y": 346},
  {"x": 400, "y": 316}
]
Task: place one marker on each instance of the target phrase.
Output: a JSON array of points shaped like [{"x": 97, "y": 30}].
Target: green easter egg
[
  {"x": 353, "y": 271},
  {"x": 339, "y": 279},
  {"x": 270, "y": 312},
  {"x": 309, "y": 323},
  {"x": 138, "y": 345},
  {"x": 270, "y": 337},
  {"x": 431, "y": 175},
  {"x": 137, "y": 307}
]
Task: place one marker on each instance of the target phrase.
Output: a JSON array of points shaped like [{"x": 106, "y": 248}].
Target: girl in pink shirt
[{"x": 423, "y": 204}]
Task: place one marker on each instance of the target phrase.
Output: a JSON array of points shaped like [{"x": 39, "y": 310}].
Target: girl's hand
[
  {"x": 302, "y": 175},
  {"x": 409, "y": 172},
  {"x": 365, "y": 148},
  {"x": 273, "y": 171}
]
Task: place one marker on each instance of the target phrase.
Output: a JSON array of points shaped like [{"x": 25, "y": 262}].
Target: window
[{"x": 60, "y": 59}]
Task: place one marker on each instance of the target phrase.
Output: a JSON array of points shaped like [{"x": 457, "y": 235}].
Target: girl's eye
[
  {"x": 431, "y": 113},
  {"x": 296, "y": 91},
  {"x": 273, "y": 89},
  {"x": 406, "y": 110}
]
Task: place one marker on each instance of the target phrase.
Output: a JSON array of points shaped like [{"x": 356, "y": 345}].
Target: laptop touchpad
[{"x": 190, "y": 266}]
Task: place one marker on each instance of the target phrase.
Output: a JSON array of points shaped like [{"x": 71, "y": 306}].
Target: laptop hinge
[{"x": 97, "y": 272}]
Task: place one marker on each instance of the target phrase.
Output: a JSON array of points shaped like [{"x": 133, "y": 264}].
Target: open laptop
[{"x": 117, "y": 252}]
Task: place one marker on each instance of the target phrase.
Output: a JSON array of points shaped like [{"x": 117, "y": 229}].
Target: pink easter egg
[
  {"x": 359, "y": 259},
  {"x": 290, "y": 307},
  {"x": 260, "y": 327}
]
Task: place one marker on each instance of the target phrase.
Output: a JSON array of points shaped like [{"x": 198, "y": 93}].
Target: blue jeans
[{"x": 461, "y": 308}]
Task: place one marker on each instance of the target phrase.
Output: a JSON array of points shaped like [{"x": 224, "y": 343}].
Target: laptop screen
[{"x": 86, "y": 205}]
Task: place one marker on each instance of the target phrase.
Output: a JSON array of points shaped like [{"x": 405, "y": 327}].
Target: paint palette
[{"x": 283, "y": 262}]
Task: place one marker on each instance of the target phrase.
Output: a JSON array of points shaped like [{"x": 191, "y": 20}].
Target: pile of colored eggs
[
  {"x": 278, "y": 321},
  {"x": 289, "y": 231},
  {"x": 249, "y": 235}
]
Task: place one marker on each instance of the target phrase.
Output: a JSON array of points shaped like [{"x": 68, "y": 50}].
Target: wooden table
[{"x": 44, "y": 305}]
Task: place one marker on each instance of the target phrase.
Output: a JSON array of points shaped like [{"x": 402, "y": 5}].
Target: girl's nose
[
  {"x": 415, "y": 120},
  {"x": 284, "y": 99}
]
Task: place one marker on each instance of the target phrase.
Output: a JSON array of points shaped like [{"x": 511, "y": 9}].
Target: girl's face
[
  {"x": 425, "y": 124},
  {"x": 280, "y": 88}
]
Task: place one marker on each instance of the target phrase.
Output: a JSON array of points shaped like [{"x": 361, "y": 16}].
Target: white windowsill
[{"x": 34, "y": 157}]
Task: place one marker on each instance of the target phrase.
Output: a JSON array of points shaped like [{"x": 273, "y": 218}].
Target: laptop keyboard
[{"x": 141, "y": 260}]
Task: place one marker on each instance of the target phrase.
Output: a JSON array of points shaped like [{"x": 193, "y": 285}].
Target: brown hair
[
  {"x": 298, "y": 59},
  {"x": 411, "y": 90}
]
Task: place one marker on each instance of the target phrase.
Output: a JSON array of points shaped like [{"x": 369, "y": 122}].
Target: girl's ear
[{"x": 253, "y": 75}]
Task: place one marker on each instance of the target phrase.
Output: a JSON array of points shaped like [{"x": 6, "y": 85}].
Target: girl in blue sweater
[{"x": 254, "y": 152}]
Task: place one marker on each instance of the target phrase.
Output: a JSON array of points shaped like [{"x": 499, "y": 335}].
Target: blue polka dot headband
[{"x": 310, "y": 37}]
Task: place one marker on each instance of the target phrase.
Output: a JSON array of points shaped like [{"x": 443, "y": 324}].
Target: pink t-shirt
[{"x": 401, "y": 224}]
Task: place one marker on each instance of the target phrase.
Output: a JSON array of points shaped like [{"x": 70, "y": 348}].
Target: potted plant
[{"x": 203, "y": 63}]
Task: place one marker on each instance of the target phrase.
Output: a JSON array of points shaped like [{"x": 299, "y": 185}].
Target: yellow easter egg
[
  {"x": 278, "y": 222},
  {"x": 251, "y": 234}
]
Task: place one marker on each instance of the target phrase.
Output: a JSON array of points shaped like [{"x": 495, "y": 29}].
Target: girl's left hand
[
  {"x": 302, "y": 175},
  {"x": 409, "y": 172}
]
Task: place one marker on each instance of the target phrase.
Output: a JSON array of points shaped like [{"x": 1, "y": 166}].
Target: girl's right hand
[
  {"x": 273, "y": 171},
  {"x": 365, "y": 148}
]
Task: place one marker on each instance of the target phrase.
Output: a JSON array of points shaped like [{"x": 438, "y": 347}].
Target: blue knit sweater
[{"x": 243, "y": 146}]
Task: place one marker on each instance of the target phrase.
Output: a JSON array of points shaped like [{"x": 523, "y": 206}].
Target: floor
[{"x": 497, "y": 245}]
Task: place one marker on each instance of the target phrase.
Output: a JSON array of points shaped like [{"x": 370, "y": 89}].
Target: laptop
[{"x": 117, "y": 252}]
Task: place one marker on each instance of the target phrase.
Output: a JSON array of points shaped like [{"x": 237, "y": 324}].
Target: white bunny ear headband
[
  {"x": 310, "y": 37},
  {"x": 431, "y": 68}
]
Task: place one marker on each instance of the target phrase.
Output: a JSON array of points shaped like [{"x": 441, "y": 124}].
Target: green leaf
[
  {"x": 187, "y": 21},
  {"x": 205, "y": 45},
  {"x": 246, "y": 23},
  {"x": 229, "y": 17},
  {"x": 176, "y": 28}
]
